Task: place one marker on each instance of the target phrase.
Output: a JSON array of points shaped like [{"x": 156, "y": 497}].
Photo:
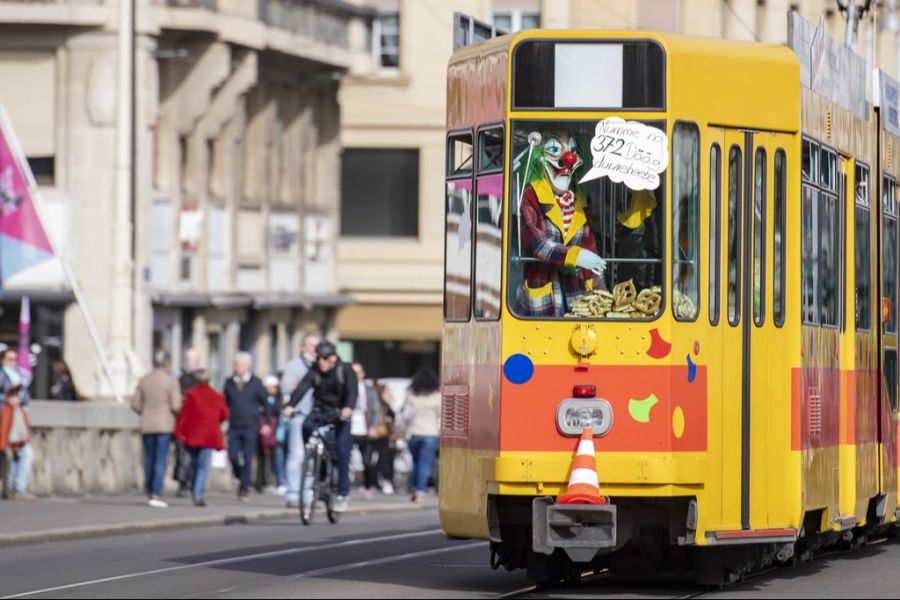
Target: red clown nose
[{"x": 570, "y": 158}]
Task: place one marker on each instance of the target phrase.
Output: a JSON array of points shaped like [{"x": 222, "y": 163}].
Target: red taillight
[{"x": 584, "y": 391}]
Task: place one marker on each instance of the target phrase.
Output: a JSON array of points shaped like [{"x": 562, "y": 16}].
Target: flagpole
[{"x": 13, "y": 141}]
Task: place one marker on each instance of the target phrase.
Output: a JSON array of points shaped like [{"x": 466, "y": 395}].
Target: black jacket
[
  {"x": 332, "y": 391},
  {"x": 248, "y": 404}
]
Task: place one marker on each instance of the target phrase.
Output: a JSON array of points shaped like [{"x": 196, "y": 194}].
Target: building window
[
  {"x": 44, "y": 169},
  {"x": 380, "y": 192},
  {"x": 509, "y": 21},
  {"x": 388, "y": 39}
]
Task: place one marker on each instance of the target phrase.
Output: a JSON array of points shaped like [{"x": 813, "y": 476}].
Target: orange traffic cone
[{"x": 584, "y": 485}]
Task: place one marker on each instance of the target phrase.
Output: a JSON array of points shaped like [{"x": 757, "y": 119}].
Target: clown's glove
[{"x": 590, "y": 261}]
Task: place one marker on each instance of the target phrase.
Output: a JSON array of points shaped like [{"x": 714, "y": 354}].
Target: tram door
[
  {"x": 727, "y": 148},
  {"x": 752, "y": 164},
  {"x": 890, "y": 318}
]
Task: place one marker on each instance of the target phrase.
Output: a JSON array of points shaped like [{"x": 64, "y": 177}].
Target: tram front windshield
[{"x": 582, "y": 246}]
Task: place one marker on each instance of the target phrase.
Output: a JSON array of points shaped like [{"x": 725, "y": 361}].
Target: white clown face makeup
[{"x": 561, "y": 159}]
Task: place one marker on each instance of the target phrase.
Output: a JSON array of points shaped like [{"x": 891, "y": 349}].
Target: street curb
[{"x": 95, "y": 531}]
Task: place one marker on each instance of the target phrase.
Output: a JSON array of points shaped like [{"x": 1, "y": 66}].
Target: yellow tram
[{"x": 689, "y": 245}]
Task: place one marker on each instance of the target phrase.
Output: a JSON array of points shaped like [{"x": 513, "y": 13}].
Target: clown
[{"x": 555, "y": 230}]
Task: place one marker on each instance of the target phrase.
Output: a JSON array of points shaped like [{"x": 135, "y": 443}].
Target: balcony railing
[
  {"x": 326, "y": 21},
  {"x": 209, "y": 4}
]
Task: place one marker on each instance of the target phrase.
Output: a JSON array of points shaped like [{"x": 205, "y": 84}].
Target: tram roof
[{"x": 722, "y": 82}]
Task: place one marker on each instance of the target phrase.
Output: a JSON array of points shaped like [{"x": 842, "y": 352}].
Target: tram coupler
[{"x": 581, "y": 530}]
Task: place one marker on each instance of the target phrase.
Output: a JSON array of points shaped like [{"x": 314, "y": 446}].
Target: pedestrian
[
  {"x": 269, "y": 472},
  {"x": 199, "y": 428},
  {"x": 336, "y": 389},
  {"x": 246, "y": 399},
  {"x": 382, "y": 440},
  {"x": 182, "y": 473},
  {"x": 15, "y": 431},
  {"x": 62, "y": 386},
  {"x": 294, "y": 372},
  {"x": 362, "y": 426},
  {"x": 425, "y": 404},
  {"x": 189, "y": 370},
  {"x": 157, "y": 399}
]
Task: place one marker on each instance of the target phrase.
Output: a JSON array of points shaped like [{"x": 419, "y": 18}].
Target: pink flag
[
  {"x": 25, "y": 338},
  {"x": 23, "y": 241}
]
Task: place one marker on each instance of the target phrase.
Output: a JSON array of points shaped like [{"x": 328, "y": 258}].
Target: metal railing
[
  {"x": 325, "y": 22},
  {"x": 208, "y": 4}
]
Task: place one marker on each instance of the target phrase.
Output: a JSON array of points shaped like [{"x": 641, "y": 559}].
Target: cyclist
[{"x": 335, "y": 390}]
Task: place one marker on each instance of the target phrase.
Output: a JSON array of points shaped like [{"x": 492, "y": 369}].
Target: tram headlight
[{"x": 574, "y": 414}]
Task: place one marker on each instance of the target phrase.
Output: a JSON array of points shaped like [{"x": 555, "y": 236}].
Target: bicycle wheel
[
  {"x": 309, "y": 485},
  {"x": 330, "y": 490}
]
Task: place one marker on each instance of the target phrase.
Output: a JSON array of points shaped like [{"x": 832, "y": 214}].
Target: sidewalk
[{"x": 53, "y": 519}]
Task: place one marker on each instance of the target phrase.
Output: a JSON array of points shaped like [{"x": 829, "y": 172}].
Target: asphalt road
[{"x": 389, "y": 555}]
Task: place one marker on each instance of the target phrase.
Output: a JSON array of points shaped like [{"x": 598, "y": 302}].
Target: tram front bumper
[{"x": 582, "y": 530}]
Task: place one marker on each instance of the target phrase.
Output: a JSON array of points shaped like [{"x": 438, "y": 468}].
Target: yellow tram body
[{"x": 763, "y": 417}]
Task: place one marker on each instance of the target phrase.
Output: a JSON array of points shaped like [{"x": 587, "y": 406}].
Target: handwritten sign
[{"x": 629, "y": 152}]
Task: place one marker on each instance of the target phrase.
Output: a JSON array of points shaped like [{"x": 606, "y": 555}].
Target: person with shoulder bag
[
  {"x": 382, "y": 441},
  {"x": 425, "y": 405},
  {"x": 15, "y": 430}
]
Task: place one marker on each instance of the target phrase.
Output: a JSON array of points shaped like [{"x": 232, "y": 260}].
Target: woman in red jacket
[{"x": 199, "y": 426}]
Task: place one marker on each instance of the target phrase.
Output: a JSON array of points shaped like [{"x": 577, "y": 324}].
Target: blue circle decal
[{"x": 518, "y": 368}]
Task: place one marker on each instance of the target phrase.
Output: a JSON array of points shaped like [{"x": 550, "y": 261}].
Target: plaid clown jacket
[{"x": 551, "y": 285}]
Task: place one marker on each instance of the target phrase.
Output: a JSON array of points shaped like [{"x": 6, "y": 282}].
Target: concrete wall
[{"x": 93, "y": 448}]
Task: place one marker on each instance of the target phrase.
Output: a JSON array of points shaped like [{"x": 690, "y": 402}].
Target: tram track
[{"x": 622, "y": 582}]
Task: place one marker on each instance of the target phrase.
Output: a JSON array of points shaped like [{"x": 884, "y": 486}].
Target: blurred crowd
[{"x": 259, "y": 422}]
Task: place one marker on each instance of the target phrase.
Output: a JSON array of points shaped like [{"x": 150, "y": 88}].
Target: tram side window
[
  {"x": 890, "y": 375},
  {"x": 715, "y": 240},
  {"x": 889, "y": 255},
  {"x": 685, "y": 221},
  {"x": 488, "y": 224},
  {"x": 590, "y": 250},
  {"x": 863, "y": 250},
  {"x": 759, "y": 238},
  {"x": 810, "y": 233},
  {"x": 779, "y": 247},
  {"x": 829, "y": 247},
  {"x": 810, "y": 161},
  {"x": 735, "y": 185},
  {"x": 458, "y": 236}
]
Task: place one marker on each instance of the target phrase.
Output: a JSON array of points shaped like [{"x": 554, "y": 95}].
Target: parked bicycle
[{"x": 319, "y": 476}]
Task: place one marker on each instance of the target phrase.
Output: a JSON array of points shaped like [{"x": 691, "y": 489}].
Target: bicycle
[{"x": 319, "y": 476}]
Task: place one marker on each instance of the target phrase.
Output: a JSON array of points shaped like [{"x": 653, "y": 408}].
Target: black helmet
[{"x": 325, "y": 349}]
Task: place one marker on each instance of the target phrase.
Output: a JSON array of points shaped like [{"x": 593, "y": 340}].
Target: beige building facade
[
  {"x": 236, "y": 172},
  {"x": 390, "y": 254}
]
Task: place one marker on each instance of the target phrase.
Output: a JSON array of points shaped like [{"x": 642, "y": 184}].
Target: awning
[
  {"x": 257, "y": 301},
  {"x": 391, "y": 322},
  {"x": 300, "y": 300}
]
